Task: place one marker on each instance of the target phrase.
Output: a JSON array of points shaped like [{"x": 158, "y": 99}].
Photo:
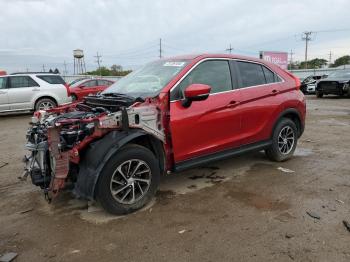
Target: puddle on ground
[{"x": 257, "y": 201}]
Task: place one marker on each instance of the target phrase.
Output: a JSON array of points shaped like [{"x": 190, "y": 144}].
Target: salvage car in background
[
  {"x": 32, "y": 91},
  {"x": 337, "y": 83},
  {"x": 85, "y": 87},
  {"x": 114, "y": 146},
  {"x": 308, "y": 85}
]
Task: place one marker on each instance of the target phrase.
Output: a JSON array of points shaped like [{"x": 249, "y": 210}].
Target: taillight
[{"x": 68, "y": 90}]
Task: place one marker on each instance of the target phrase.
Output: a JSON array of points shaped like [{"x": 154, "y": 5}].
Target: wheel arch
[
  {"x": 98, "y": 153},
  {"x": 294, "y": 115}
]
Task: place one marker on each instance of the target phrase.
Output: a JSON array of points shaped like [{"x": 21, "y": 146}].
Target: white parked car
[{"x": 32, "y": 91}]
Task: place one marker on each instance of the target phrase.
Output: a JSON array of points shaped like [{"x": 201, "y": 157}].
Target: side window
[
  {"x": 251, "y": 74},
  {"x": 103, "y": 83},
  {"x": 89, "y": 83},
  {"x": 269, "y": 75},
  {"x": 52, "y": 79},
  {"x": 22, "y": 81},
  {"x": 3, "y": 82},
  {"x": 215, "y": 73}
]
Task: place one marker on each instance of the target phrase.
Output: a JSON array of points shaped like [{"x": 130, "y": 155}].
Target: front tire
[
  {"x": 129, "y": 180},
  {"x": 319, "y": 94},
  {"x": 284, "y": 141}
]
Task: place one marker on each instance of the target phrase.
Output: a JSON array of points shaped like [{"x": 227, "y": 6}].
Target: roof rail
[{"x": 23, "y": 73}]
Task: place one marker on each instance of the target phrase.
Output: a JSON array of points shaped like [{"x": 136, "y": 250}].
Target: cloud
[{"x": 125, "y": 32}]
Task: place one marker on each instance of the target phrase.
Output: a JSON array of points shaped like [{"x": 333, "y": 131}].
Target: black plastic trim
[{"x": 198, "y": 161}]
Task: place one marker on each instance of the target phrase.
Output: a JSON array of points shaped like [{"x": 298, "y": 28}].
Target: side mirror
[{"x": 196, "y": 92}]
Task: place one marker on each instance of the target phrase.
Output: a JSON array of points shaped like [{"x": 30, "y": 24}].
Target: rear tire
[
  {"x": 129, "y": 180},
  {"x": 45, "y": 104},
  {"x": 319, "y": 94},
  {"x": 284, "y": 141}
]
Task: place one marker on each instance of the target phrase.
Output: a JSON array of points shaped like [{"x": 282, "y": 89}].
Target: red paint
[
  {"x": 223, "y": 121},
  {"x": 231, "y": 119},
  {"x": 197, "y": 90},
  {"x": 82, "y": 90}
]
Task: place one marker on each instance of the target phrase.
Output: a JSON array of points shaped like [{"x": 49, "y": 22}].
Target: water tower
[{"x": 79, "y": 62}]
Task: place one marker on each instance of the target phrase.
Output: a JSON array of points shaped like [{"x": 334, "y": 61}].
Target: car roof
[
  {"x": 208, "y": 55},
  {"x": 32, "y": 74}
]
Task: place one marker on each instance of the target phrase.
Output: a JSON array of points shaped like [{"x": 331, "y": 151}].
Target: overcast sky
[{"x": 125, "y": 32}]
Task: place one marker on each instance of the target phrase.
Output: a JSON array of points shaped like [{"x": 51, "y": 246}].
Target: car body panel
[
  {"x": 25, "y": 98},
  {"x": 192, "y": 128},
  {"x": 89, "y": 86}
]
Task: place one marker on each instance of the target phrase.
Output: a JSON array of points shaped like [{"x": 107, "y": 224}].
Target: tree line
[
  {"x": 114, "y": 70},
  {"x": 320, "y": 62}
]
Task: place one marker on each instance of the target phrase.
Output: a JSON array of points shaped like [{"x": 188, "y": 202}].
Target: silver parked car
[{"x": 32, "y": 91}]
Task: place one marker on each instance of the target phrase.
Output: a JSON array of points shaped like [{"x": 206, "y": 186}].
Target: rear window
[
  {"x": 52, "y": 79},
  {"x": 251, "y": 74}
]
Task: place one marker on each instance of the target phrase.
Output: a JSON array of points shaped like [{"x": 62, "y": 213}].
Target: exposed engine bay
[{"x": 57, "y": 137}]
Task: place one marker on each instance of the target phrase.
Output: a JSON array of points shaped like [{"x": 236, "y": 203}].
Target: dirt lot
[{"x": 241, "y": 209}]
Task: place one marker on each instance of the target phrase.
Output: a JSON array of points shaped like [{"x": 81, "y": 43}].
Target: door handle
[
  {"x": 232, "y": 104},
  {"x": 3, "y": 92},
  {"x": 35, "y": 89},
  {"x": 274, "y": 92}
]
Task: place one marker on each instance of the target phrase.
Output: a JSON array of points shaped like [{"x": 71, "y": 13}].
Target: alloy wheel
[
  {"x": 46, "y": 105},
  {"x": 130, "y": 181},
  {"x": 286, "y": 140}
]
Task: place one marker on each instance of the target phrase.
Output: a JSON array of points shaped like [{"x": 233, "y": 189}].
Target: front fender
[{"x": 96, "y": 156}]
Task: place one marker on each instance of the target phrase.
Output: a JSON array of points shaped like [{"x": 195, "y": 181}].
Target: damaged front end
[{"x": 58, "y": 137}]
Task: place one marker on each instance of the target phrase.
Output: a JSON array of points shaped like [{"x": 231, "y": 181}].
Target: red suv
[
  {"x": 85, "y": 87},
  {"x": 170, "y": 115}
]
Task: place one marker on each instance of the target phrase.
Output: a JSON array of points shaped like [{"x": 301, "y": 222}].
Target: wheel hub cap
[
  {"x": 286, "y": 140},
  {"x": 130, "y": 181}
]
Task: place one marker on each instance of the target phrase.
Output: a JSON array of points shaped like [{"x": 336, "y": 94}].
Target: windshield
[
  {"x": 77, "y": 82},
  {"x": 149, "y": 80},
  {"x": 341, "y": 74}
]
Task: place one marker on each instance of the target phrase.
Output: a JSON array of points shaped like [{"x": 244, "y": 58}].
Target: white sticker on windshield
[{"x": 174, "y": 64}]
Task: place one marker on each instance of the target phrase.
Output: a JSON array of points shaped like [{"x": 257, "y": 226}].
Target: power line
[
  {"x": 98, "y": 61},
  {"x": 229, "y": 49},
  {"x": 291, "y": 59},
  {"x": 160, "y": 48},
  {"x": 306, "y": 38},
  {"x": 65, "y": 68},
  {"x": 330, "y": 57}
]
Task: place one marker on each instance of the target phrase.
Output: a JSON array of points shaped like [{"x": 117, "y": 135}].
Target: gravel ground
[{"x": 242, "y": 209}]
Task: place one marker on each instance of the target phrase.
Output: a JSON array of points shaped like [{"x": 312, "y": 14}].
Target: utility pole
[
  {"x": 65, "y": 68},
  {"x": 160, "y": 48},
  {"x": 306, "y": 37},
  {"x": 229, "y": 49},
  {"x": 330, "y": 58},
  {"x": 44, "y": 68},
  {"x": 291, "y": 59},
  {"x": 98, "y": 61}
]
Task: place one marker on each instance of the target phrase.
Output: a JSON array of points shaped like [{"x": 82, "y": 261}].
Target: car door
[
  {"x": 208, "y": 126},
  {"x": 88, "y": 87},
  {"x": 4, "y": 100},
  {"x": 101, "y": 85},
  {"x": 259, "y": 99},
  {"x": 22, "y": 90}
]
